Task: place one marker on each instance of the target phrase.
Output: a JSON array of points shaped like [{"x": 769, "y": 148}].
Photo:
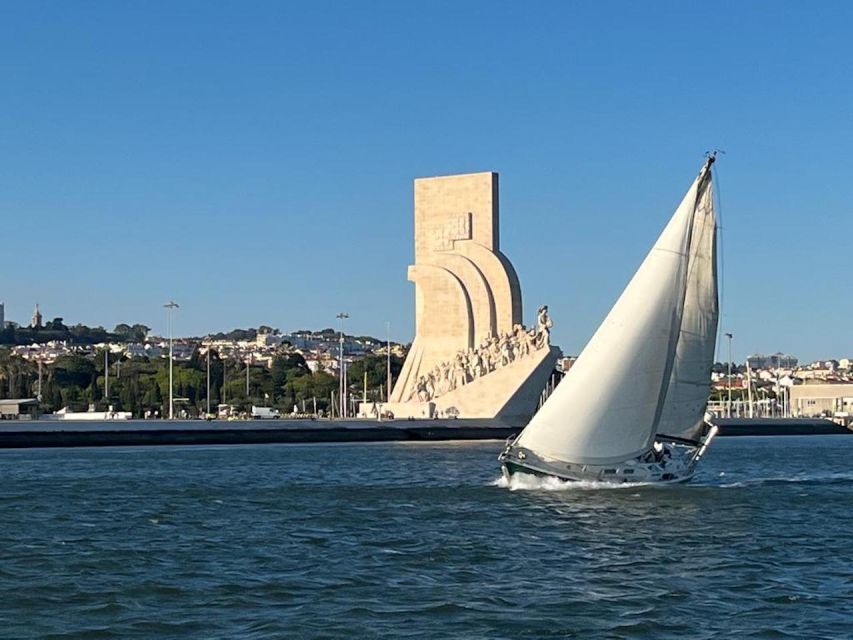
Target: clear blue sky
[{"x": 254, "y": 161}]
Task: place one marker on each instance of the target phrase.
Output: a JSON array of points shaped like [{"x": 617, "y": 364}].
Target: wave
[
  {"x": 840, "y": 477},
  {"x": 529, "y": 482}
]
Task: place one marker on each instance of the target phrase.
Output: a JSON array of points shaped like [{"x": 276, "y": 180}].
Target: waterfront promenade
[
  {"x": 24, "y": 434},
  {"x": 15, "y": 434}
]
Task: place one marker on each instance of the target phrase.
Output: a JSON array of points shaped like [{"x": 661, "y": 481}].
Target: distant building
[
  {"x": 2, "y": 316},
  {"x": 19, "y": 409},
  {"x": 565, "y": 363},
  {"x": 268, "y": 339},
  {"x": 811, "y": 400},
  {"x": 35, "y": 323},
  {"x": 776, "y": 361}
]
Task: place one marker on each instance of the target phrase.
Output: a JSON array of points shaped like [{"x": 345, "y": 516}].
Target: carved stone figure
[
  {"x": 522, "y": 347},
  {"x": 506, "y": 350},
  {"x": 430, "y": 386},
  {"x": 457, "y": 378},
  {"x": 492, "y": 354},
  {"x": 479, "y": 366},
  {"x": 495, "y": 353},
  {"x": 422, "y": 391},
  {"x": 543, "y": 327}
]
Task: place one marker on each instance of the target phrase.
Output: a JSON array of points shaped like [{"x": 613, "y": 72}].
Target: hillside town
[
  {"x": 320, "y": 349},
  {"x": 776, "y": 385},
  {"x": 231, "y": 371}
]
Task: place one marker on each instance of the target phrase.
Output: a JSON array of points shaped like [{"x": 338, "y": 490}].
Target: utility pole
[
  {"x": 171, "y": 306},
  {"x": 343, "y": 385},
  {"x": 208, "y": 380},
  {"x": 749, "y": 386},
  {"x": 248, "y": 364},
  {"x": 388, "y": 362},
  {"x": 39, "y": 393},
  {"x": 729, "y": 405},
  {"x": 224, "y": 361},
  {"x": 107, "y": 374}
]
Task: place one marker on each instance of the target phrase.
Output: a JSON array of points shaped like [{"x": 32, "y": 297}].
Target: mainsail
[
  {"x": 608, "y": 407},
  {"x": 690, "y": 385}
]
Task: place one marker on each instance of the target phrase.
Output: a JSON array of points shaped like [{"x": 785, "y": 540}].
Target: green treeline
[
  {"x": 140, "y": 385},
  {"x": 78, "y": 334}
]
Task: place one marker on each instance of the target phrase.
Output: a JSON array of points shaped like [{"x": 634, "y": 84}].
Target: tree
[
  {"x": 56, "y": 325},
  {"x": 74, "y": 371},
  {"x": 317, "y": 385},
  {"x": 376, "y": 368},
  {"x": 94, "y": 390},
  {"x": 139, "y": 332},
  {"x": 122, "y": 330}
]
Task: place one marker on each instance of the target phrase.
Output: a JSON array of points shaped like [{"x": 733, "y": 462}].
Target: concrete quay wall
[
  {"x": 26, "y": 434},
  {"x": 149, "y": 433}
]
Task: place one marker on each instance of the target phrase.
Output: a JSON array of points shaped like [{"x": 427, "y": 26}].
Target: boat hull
[
  {"x": 670, "y": 461},
  {"x": 510, "y": 469}
]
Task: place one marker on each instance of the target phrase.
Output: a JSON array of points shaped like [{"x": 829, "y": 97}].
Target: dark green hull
[{"x": 511, "y": 468}]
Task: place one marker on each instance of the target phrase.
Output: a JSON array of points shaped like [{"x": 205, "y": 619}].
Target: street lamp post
[
  {"x": 343, "y": 385},
  {"x": 729, "y": 405},
  {"x": 208, "y": 382},
  {"x": 39, "y": 393},
  {"x": 388, "y": 362},
  {"x": 171, "y": 306}
]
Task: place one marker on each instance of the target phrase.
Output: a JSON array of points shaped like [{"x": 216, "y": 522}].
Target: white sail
[
  {"x": 690, "y": 385},
  {"x": 608, "y": 406}
]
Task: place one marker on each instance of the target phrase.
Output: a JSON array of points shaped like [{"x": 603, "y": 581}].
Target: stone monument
[{"x": 471, "y": 356}]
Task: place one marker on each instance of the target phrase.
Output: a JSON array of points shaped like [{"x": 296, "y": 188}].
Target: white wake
[{"x": 529, "y": 482}]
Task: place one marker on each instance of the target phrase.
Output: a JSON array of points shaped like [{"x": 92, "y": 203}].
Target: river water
[{"x": 421, "y": 541}]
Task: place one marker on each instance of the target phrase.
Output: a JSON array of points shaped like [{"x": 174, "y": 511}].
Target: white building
[
  {"x": 811, "y": 400},
  {"x": 268, "y": 339},
  {"x": 776, "y": 361}
]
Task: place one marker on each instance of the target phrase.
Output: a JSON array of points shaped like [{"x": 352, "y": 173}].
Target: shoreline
[{"x": 102, "y": 433}]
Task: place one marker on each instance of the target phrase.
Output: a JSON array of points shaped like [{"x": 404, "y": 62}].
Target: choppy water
[{"x": 420, "y": 541}]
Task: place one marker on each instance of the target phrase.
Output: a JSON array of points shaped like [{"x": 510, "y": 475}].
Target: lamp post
[
  {"x": 207, "y": 415},
  {"x": 39, "y": 393},
  {"x": 729, "y": 405},
  {"x": 248, "y": 364},
  {"x": 171, "y": 306},
  {"x": 388, "y": 362},
  {"x": 343, "y": 385}
]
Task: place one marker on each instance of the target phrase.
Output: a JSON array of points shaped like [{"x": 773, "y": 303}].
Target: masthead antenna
[{"x": 711, "y": 156}]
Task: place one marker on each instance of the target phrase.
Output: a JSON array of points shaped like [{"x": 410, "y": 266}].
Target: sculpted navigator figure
[
  {"x": 543, "y": 327},
  {"x": 494, "y": 353}
]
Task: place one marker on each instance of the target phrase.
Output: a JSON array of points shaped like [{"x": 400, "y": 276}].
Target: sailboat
[{"x": 633, "y": 406}]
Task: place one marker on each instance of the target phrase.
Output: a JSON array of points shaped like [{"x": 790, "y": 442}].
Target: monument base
[
  {"x": 510, "y": 394},
  {"x": 397, "y": 410}
]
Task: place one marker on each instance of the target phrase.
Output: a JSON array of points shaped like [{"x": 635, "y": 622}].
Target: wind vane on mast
[{"x": 711, "y": 156}]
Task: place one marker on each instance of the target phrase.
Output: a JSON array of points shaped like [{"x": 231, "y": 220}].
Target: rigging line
[{"x": 722, "y": 278}]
